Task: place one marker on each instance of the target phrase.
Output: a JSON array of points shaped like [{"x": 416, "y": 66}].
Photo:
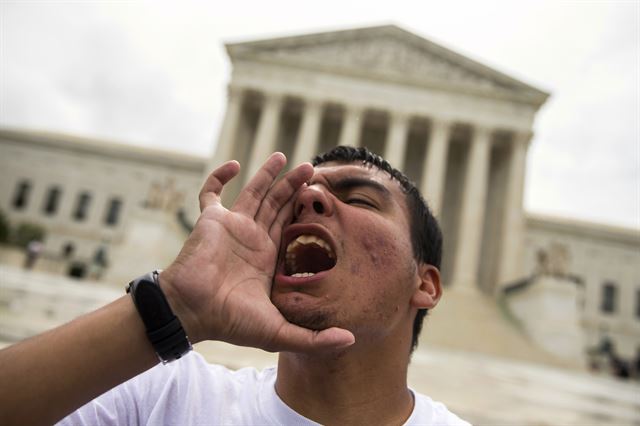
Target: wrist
[{"x": 187, "y": 317}]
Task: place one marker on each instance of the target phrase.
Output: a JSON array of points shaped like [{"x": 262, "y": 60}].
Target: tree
[{"x": 27, "y": 232}]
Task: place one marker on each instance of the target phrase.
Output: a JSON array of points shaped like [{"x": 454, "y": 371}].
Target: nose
[{"x": 312, "y": 200}]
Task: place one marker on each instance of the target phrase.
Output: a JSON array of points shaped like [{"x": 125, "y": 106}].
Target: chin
[
  {"x": 312, "y": 320},
  {"x": 297, "y": 313}
]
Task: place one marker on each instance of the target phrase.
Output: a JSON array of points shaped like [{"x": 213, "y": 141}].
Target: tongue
[{"x": 313, "y": 258}]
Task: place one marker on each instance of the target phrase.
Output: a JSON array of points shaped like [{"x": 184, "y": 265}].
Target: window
[
  {"x": 21, "y": 197},
  {"x": 609, "y": 296},
  {"x": 113, "y": 212},
  {"x": 82, "y": 206},
  {"x": 52, "y": 200}
]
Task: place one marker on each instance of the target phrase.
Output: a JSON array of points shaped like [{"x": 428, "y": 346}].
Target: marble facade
[{"x": 145, "y": 182}]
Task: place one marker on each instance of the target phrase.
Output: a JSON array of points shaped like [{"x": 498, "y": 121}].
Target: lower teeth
[{"x": 303, "y": 274}]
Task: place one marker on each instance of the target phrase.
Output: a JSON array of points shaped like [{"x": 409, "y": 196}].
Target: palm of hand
[{"x": 239, "y": 254}]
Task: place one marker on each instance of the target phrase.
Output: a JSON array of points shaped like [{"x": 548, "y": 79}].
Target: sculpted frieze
[{"x": 383, "y": 56}]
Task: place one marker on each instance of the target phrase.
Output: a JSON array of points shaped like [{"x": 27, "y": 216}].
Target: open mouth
[{"x": 307, "y": 255}]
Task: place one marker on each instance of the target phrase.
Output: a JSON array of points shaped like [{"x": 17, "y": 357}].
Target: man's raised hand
[{"x": 219, "y": 285}]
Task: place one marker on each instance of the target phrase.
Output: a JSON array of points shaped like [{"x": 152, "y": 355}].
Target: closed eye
[{"x": 359, "y": 201}]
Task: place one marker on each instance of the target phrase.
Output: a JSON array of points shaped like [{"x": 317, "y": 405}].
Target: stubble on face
[{"x": 317, "y": 320}]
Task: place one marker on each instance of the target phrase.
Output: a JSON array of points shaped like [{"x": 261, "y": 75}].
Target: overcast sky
[{"x": 154, "y": 74}]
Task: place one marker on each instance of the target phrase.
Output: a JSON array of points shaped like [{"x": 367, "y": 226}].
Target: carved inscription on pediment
[{"x": 383, "y": 56}]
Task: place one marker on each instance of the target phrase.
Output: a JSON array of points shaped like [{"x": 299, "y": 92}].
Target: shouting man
[{"x": 334, "y": 266}]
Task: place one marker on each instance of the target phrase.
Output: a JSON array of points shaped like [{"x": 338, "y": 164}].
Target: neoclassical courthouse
[{"x": 459, "y": 129}]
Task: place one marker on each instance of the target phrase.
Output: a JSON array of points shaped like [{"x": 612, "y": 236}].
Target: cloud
[{"x": 81, "y": 73}]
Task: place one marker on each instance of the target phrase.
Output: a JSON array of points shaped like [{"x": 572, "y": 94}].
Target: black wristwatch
[{"x": 164, "y": 329}]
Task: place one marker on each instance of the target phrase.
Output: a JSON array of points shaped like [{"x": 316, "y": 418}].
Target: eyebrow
[{"x": 350, "y": 182}]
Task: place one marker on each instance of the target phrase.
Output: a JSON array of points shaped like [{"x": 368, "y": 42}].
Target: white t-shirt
[{"x": 194, "y": 392}]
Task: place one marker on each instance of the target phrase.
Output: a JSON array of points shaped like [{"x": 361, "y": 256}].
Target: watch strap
[{"x": 164, "y": 330}]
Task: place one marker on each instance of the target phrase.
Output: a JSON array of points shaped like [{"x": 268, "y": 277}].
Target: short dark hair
[{"x": 426, "y": 236}]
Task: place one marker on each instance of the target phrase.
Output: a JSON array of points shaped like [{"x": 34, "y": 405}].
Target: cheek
[
  {"x": 383, "y": 251},
  {"x": 388, "y": 274},
  {"x": 385, "y": 258},
  {"x": 375, "y": 248}
]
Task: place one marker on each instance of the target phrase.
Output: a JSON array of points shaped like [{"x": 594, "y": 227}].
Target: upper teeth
[
  {"x": 309, "y": 239},
  {"x": 290, "y": 256}
]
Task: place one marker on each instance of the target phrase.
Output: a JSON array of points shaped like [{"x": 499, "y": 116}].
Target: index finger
[
  {"x": 212, "y": 188},
  {"x": 281, "y": 192},
  {"x": 252, "y": 195}
]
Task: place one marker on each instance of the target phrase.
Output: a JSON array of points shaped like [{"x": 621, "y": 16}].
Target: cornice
[
  {"x": 103, "y": 148},
  {"x": 584, "y": 229},
  {"x": 508, "y": 87}
]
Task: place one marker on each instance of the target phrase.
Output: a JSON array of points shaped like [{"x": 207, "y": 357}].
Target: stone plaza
[{"x": 485, "y": 390}]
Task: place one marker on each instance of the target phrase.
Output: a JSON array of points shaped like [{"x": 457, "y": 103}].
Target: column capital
[
  {"x": 481, "y": 130},
  {"x": 272, "y": 97},
  {"x": 313, "y": 102},
  {"x": 400, "y": 116},
  {"x": 350, "y": 108},
  {"x": 441, "y": 122}
]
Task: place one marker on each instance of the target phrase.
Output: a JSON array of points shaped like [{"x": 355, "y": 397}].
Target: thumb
[{"x": 293, "y": 338}]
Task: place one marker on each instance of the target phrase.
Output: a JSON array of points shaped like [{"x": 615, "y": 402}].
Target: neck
[{"x": 360, "y": 385}]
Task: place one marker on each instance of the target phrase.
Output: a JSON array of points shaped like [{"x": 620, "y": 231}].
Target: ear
[{"x": 428, "y": 290}]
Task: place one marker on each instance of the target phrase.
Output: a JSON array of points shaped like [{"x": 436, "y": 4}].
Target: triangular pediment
[{"x": 388, "y": 53}]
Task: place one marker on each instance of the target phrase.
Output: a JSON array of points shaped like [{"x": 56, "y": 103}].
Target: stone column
[
  {"x": 229, "y": 129},
  {"x": 351, "y": 126},
  {"x": 396, "y": 144},
  {"x": 435, "y": 165},
  {"x": 512, "y": 227},
  {"x": 469, "y": 233},
  {"x": 265, "y": 140},
  {"x": 309, "y": 133}
]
